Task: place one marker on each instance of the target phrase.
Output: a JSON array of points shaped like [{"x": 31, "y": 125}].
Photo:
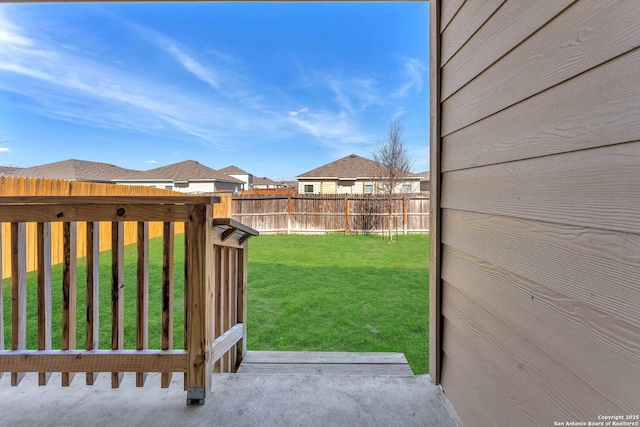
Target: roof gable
[
  {"x": 185, "y": 171},
  {"x": 263, "y": 181},
  {"x": 233, "y": 170},
  {"x": 76, "y": 170},
  {"x": 351, "y": 166}
]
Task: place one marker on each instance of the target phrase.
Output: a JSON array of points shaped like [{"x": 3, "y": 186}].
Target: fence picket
[{"x": 321, "y": 213}]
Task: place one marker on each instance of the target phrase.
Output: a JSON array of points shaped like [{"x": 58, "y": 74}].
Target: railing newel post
[{"x": 198, "y": 302}]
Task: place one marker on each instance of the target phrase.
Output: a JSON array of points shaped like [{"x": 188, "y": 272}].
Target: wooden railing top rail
[
  {"x": 99, "y": 208},
  {"x": 108, "y": 200}
]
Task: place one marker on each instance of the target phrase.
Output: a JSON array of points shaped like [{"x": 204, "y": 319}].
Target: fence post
[
  {"x": 199, "y": 265},
  {"x": 288, "y": 215},
  {"x": 405, "y": 207},
  {"x": 346, "y": 213}
]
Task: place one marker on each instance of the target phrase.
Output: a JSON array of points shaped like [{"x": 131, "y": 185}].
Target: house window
[
  {"x": 168, "y": 187},
  {"x": 308, "y": 188},
  {"x": 368, "y": 189},
  {"x": 406, "y": 188}
]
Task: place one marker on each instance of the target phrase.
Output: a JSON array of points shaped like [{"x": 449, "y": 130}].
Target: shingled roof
[
  {"x": 187, "y": 170},
  {"x": 263, "y": 181},
  {"x": 425, "y": 176},
  {"x": 233, "y": 170},
  {"x": 75, "y": 170},
  {"x": 7, "y": 170},
  {"x": 349, "y": 167}
]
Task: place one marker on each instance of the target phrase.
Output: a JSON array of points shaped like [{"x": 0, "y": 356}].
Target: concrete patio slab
[{"x": 236, "y": 400}]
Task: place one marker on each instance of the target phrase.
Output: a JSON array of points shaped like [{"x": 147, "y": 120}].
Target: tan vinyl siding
[
  {"x": 328, "y": 187},
  {"x": 536, "y": 190}
]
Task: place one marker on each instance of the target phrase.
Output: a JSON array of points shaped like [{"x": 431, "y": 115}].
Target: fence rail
[
  {"x": 319, "y": 213},
  {"x": 214, "y": 291}
]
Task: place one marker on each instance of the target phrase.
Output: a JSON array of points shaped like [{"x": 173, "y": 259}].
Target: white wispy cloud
[
  {"x": 295, "y": 113},
  {"x": 151, "y": 162},
  {"x": 4, "y": 150},
  {"x": 337, "y": 131},
  {"x": 179, "y": 53},
  {"x": 354, "y": 94},
  {"x": 86, "y": 91},
  {"x": 414, "y": 72}
]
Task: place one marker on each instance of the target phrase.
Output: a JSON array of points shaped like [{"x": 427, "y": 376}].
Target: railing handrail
[{"x": 108, "y": 200}]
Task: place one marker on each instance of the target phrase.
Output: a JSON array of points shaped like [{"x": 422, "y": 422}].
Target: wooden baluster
[
  {"x": 44, "y": 292},
  {"x": 93, "y": 294},
  {"x": 117, "y": 294},
  {"x": 224, "y": 314},
  {"x": 142, "y": 305},
  {"x": 233, "y": 304},
  {"x": 217, "y": 295},
  {"x": 167, "y": 293},
  {"x": 18, "y": 292},
  {"x": 199, "y": 268},
  {"x": 242, "y": 302},
  {"x": 69, "y": 288}
]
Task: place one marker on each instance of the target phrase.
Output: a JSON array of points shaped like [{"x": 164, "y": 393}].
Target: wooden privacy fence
[
  {"x": 321, "y": 213},
  {"x": 17, "y": 186},
  {"x": 215, "y": 263}
]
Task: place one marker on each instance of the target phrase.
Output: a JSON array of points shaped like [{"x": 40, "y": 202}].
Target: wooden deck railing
[{"x": 214, "y": 291}]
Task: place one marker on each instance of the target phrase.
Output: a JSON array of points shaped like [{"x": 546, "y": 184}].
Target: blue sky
[{"x": 277, "y": 89}]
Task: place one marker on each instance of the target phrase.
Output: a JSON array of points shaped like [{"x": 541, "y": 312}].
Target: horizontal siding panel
[
  {"x": 604, "y": 352},
  {"x": 582, "y": 39},
  {"x": 509, "y": 26},
  {"x": 599, "y": 269},
  {"x": 449, "y": 10},
  {"x": 597, "y": 188},
  {"x": 464, "y": 24},
  {"x": 529, "y": 376},
  {"x": 573, "y": 116},
  {"x": 473, "y": 391}
]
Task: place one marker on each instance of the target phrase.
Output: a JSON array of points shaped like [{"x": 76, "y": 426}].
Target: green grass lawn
[
  {"x": 340, "y": 293},
  {"x": 317, "y": 293}
]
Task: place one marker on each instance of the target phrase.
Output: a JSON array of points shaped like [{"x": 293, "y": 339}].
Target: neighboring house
[
  {"x": 75, "y": 170},
  {"x": 425, "y": 181},
  {"x": 350, "y": 175},
  {"x": 266, "y": 183},
  {"x": 237, "y": 173},
  {"x": 188, "y": 176}
]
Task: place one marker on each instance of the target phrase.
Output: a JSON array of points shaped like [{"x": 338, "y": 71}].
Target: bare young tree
[{"x": 393, "y": 166}]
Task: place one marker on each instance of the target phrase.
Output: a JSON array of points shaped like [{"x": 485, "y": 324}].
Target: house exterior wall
[
  {"x": 246, "y": 178},
  {"x": 190, "y": 187},
  {"x": 351, "y": 187},
  {"x": 328, "y": 187},
  {"x": 535, "y": 181}
]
